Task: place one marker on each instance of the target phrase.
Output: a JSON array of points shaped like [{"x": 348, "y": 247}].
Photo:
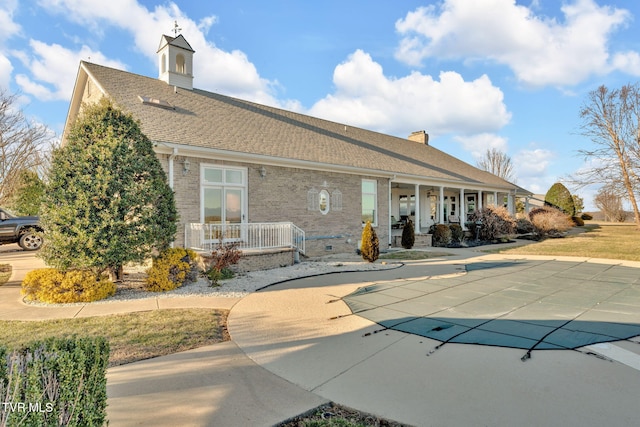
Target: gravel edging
[{"x": 240, "y": 286}]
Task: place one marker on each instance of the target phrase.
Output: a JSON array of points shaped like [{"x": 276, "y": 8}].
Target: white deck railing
[{"x": 256, "y": 236}]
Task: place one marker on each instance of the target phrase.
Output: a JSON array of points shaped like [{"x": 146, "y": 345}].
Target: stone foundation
[{"x": 254, "y": 260}]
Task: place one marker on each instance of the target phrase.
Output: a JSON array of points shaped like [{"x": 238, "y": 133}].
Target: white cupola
[{"x": 175, "y": 61}]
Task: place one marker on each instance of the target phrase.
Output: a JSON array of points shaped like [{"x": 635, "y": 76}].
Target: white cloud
[
  {"x": 532, "y": 168},
  {"x": 478, "y": 144},
  {"x": 369, "y": 99},
  {"x": 627, "y": 62},
  {"x": 5, "y": 72},
  {"x": 539, "y": 50},
  {"x": 206, "y": 23},
  {"x": 10, "y": 29},
  {"x": 53, "y": 69},
  {"x": 231, "y": 73},
  {"x": 532, "y": 162}
]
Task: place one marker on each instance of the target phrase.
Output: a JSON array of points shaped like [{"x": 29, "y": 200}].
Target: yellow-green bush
[
  {"x": 53, "y": 286},
  {"x": 370, "y": 247},
  {"x": 172, "y": 269}
]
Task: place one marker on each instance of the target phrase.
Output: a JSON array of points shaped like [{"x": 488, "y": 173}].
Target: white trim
[
  {"x": 374, "y": 223},
  {"x": 217, "y": 154},
  {"x": 224, "y": 185}
]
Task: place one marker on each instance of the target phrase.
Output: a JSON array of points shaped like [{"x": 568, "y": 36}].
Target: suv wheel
[{"x": 30, "y": 241}]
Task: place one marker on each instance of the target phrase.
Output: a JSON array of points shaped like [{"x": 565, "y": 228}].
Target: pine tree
[
  {"x": 370, "y": 248},
  {"x": 107, "y": 202}
]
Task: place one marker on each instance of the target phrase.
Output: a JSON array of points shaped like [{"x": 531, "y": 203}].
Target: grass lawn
[
  {"x": 132, "y": 336},
  {"x": 599, "y": 240}
]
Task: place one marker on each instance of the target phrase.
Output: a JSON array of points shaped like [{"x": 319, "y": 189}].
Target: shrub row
[{"x": 55, "y": 382}]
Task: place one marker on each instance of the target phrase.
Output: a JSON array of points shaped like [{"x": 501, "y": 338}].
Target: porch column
[
  {"x": 479, "y": 202},
  {"x": 526, "y": 205},
  {"x": 495, "y": 198},
  {"x": 510, "y": 204},
  {"x": 416, "y": 226},
  {"x": 462, "y": 215},
  {"x": 441, "y": 207}
]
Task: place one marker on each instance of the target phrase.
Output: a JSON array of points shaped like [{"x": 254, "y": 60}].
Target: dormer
[{"x": 175, "y": 62}]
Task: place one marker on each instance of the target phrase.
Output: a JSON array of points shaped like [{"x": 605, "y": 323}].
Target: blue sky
[{"x": 474, "y": 74}]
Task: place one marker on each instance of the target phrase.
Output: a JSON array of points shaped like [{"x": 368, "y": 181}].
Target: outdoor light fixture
[
  {"x": 186, "y": 165},
  {"x": 263, "y": 172}
]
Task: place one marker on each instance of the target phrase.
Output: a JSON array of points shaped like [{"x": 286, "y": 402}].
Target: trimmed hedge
[
  {"x": 54, "y": 286},
  {"x": 58, "y": 381}
]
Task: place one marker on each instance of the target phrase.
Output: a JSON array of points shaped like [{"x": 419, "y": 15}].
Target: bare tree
[
  {"x": 610, "y": 204},
  {"x": 23, "y": 145},
  {"x": 611, "y": 121},
  {"x": 498, "y": 163}
]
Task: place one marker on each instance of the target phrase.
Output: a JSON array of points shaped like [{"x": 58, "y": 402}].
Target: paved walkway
[{"x": 297, "y": 345}]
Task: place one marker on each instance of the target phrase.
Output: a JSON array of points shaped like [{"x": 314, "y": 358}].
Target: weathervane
[{"x": 176, "y": 29}]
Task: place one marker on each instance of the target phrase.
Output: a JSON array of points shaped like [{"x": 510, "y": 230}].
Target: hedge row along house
[{"x": 276, "y": 180}]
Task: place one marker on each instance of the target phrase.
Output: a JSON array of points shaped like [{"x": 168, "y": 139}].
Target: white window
[
  {"x": 224, "y": 195},
  {"x": 370, "y": 201}
]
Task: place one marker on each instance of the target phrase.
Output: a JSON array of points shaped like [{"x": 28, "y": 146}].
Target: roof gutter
[{"x": 236, "y": 156}]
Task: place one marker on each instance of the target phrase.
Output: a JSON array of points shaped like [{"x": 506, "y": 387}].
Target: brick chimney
[{"x": 420, "y": 136}]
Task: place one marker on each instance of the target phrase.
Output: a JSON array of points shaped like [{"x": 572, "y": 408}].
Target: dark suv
[{"x": 23, "y": 230}]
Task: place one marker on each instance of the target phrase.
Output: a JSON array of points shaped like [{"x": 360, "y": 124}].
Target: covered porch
[{"x": 426, "y": 204}]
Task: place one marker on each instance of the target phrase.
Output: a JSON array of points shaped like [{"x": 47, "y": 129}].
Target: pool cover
[{"x": 527, "y": 304}]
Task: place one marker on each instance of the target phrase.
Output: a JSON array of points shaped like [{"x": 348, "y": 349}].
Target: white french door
[{"x": 223, "y": 202}]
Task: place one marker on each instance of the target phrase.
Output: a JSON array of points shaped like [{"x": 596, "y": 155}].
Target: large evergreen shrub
[
  {"x": 107, "y": 202},
  {"x": 370, "y": 248},
  {"x": 560, "y": 197}
]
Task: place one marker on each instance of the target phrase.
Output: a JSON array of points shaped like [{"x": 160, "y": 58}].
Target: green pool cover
[{"x": 527, "y": 304}]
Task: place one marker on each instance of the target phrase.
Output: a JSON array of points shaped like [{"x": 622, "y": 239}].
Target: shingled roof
[{"x": 203, "y": 119}]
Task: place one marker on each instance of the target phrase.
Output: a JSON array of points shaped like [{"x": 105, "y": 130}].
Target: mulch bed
[{"x": 331, "y": 412}]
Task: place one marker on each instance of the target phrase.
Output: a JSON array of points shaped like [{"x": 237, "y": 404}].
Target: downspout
[
  {"x": 389, "y": 212},
  {"x": 171, "y": 157}
]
